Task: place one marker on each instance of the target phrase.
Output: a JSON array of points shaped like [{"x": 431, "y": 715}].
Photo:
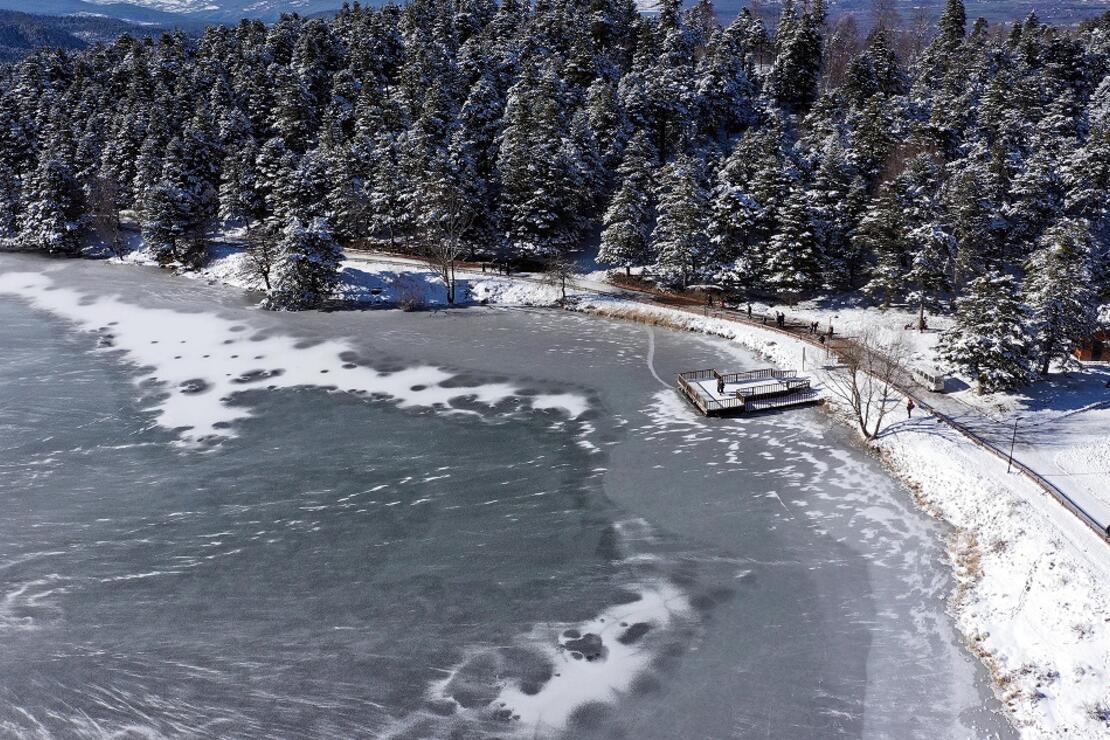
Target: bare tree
[
  {"x": 915, "y": 35},
  {"x": 262, "y": 251},
  {"x": 884, "y": 15},
  {"x": 840, "y": 49},
  {"x": 871, "y": 367},
  {"x": 104, "y": 197},
  {"x": 561, "y": 269},
  {"x": 448, "y": 217}
]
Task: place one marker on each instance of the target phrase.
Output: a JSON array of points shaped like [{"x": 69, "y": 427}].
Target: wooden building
[{"x": 1096, "y": 348}]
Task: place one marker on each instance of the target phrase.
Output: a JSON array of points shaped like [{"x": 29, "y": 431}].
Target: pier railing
[
  {"x": 785, "y": 385},
  {"x": 760, "y": 374}
]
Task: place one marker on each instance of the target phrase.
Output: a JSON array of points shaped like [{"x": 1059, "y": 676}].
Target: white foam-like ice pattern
[
  {"x": 199, "y": 361},
  {"x": 577, "y": 681}
]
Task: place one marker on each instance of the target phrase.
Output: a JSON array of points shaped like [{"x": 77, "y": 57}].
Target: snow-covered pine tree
[
  {"x": 307, "y": 270},
  {"x": 540, "y": 172},
  {"x": 11, "y": 193},
  {"x": 670, "y": 85},
  {"x": 181, "y": 208},
  {"x": 793, "y": 260},
  {"x": 971, "y": 219},
  {"x": 609, "y": 122},
  {"x": 386, "y": 209},
  {"x": 881, "y": 237},
  {"x": 240, "y": 201},
  {"x": 799, "y": 45},
  {"x": 837, "y": 197},
  {"x": 679, "y": 239},
  {"x": 476, "y": 139},
  {"x": 625, "y": 238},
  {"x": 931, "y": 253},
  {"x": 736, "y": 224},
  {"x": 988, "y": 343},
  {"x": 1063, "y": 302},
  {"x": 303, "y": 191},
  {"x": 53, "y": 217},
  {"x": 725, "y": 92}
]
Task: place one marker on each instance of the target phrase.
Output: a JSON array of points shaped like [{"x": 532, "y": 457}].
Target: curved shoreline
[
  {"x": 984, "y": 549},
  {"x": 1004, "y": 532}
]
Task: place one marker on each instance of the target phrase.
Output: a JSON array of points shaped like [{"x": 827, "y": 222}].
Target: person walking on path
[
  {"x": 720, "y": 386},
  {"x": 910, "y": 405}
]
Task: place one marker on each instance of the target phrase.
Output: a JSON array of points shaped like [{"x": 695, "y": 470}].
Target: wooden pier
[{"x": 746, "y": 392}]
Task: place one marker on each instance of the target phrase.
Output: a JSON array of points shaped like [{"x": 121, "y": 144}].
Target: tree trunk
[{"x": 1049, "y": 346}]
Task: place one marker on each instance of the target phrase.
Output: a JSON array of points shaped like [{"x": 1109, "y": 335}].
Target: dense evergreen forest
[{"x": 966, "y": 170}]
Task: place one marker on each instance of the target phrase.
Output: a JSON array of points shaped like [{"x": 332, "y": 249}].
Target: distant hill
[
  {"x": 20, "y": 33},
  {"x": 177, "y": 12},
  {"x": 193, "y": 14}
]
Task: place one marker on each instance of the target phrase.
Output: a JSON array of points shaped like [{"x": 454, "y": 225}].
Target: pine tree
[
  {"x": 670, "y": 85},
  {"x": 11, "y": 193},
  {"x": 386, "y": 208},
  {"x": 725, "y": 92},
  {"x": 181, "y": 208},
  {"x": 931, "y": 250},
  {"x": 540, "y": 171},
  {"x": 53, "y": 209},
  {"x": 881, "y": 235},
  {"x": 679, "y": 239},
  {"x": 1063, "y": 303},
  {"x": 799, "y": 44},
  {"x": 307, "y": 269},
  {"x": 750, "y": 185},
  {"x": 970, "y": 219},
  {"x": 793, "y": 261},
  {"x": 239, "y": 198},
  {"x": 625, "y": 238},
  {"x": 988, "y": 342}
]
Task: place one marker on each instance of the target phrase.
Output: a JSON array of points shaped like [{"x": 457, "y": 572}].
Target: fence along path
[{"x": 800, "y": 331}]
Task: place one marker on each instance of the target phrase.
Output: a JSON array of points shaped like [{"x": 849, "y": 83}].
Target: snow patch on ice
[
  {"x": 581, "y": 679},
  {"x": 573, "y": 404},
  {"x": 195, "y": 363}
]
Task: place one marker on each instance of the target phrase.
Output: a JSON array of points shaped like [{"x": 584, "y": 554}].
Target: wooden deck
[{"x": 745, "y": 392}]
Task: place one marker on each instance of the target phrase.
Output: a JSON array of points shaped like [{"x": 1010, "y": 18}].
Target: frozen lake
[{"x": 220, "y": 522}]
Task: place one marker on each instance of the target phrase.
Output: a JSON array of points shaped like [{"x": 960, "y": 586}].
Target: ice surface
[
  {"x": 580, "y": 680},
  {"x": 195, "y": 363}
]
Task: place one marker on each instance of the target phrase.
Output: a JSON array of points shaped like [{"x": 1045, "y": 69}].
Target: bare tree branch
[
  {"x": 449, "y": 220},
  {"x": 262, "y": 252},
  {"x": 872, "y": 365}
]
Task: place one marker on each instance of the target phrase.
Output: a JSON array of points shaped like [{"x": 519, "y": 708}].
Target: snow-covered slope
[
  {"x": 196, "y": 12},
  {"x": 230, "y": 10}
]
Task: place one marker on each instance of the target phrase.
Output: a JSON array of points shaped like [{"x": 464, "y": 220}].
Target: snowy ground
[
  {"x": 1031, "y": 599},
  {"x": 1063, "y": 422}
]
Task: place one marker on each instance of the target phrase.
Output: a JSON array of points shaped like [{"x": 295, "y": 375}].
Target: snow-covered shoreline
[{"x": 1028, "y": 599}]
